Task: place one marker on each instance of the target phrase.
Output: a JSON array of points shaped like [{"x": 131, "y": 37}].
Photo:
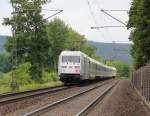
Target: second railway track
[
  {"x": 70, "y": 105},
  {"x": 6, "y": 98}
]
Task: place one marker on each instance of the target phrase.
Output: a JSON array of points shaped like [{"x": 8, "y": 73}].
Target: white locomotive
[{"x": 75, "y": 66}]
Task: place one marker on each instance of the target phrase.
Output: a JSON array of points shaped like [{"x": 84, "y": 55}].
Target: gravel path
[
  {"x": 121, "y": 101},
  {"x": 28, "y": 105},
  {"x": 75, "y": 105}
]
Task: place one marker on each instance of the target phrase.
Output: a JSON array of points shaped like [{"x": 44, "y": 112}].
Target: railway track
[
  {"x": 49, "y": 107},
  {"x": 7, "y": 98},
  {"x": 89, "y": 107}
]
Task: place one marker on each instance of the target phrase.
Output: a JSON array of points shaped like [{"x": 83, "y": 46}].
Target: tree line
[
  {"x": 139, "y": 23},
  {"x": 38, "y": 41}
]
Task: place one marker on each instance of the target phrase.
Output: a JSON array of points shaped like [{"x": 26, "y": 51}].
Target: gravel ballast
[
  {"x": 121, "y": 101},
  {"x": 27, "y": 105},
  {"x": 72, "y": 107}
]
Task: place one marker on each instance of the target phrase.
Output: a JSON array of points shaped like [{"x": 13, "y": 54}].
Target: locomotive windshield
[{"x": 71, "y": 59}]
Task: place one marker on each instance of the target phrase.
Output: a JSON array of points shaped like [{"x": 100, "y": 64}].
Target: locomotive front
[{"x": 69, "y": 66}]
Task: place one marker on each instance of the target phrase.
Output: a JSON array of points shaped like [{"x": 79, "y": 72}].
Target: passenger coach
[{"x": 75, "y": 66}]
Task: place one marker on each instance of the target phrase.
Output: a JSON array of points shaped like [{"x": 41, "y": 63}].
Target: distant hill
[
  {"x": 113, "y": 51},
  {"x": 106, "y": 50}
]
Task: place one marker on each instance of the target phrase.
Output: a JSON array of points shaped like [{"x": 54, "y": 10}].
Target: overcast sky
[{"x": 78, "y": 15}]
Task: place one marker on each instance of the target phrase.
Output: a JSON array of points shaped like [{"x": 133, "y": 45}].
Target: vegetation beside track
[
  {"x": 123, "y": 69},
  {"x": 139, "y": 21},
  {"x": 49, "y": 79}
]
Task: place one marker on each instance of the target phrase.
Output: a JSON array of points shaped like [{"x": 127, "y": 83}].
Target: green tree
[
  {"x": 29, "y": 42},
  {"x": 139, "y": 22},
  {"x": 57, "y": 32},
  {"x": 90, "y": 51},
  {"x": 62, "y": 37},
  {"x": 123, "y": 69},
  {"x": 75, "y": 40}
]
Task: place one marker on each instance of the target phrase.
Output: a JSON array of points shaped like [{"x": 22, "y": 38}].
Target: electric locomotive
[{"x": 75, "y": 66}]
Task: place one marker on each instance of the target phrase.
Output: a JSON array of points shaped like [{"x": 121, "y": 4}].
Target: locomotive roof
[
  {"x": 71, "y": 53},
  {"x": 79, "y": 53}
]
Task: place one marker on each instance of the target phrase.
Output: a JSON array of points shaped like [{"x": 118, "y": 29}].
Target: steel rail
[
  {"x": 89, "y": 107},
  {"x": 15, "y": 93},
  {"x": 48, "y": 107},
  {"x": 8, "y": 98}
]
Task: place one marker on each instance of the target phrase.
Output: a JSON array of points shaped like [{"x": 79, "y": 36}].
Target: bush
[
  {"x": 5, "y": 80},
  {"x": 23, "y": 81},
  {"x": 49, "y": 77},
  {"x": 21, "y": 74}
]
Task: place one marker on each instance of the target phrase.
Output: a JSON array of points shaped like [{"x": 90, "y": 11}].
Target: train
[{"x": 76, "y": 67}]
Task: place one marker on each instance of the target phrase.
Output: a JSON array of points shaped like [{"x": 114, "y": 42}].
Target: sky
[{"x": 81, "y": 15}]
